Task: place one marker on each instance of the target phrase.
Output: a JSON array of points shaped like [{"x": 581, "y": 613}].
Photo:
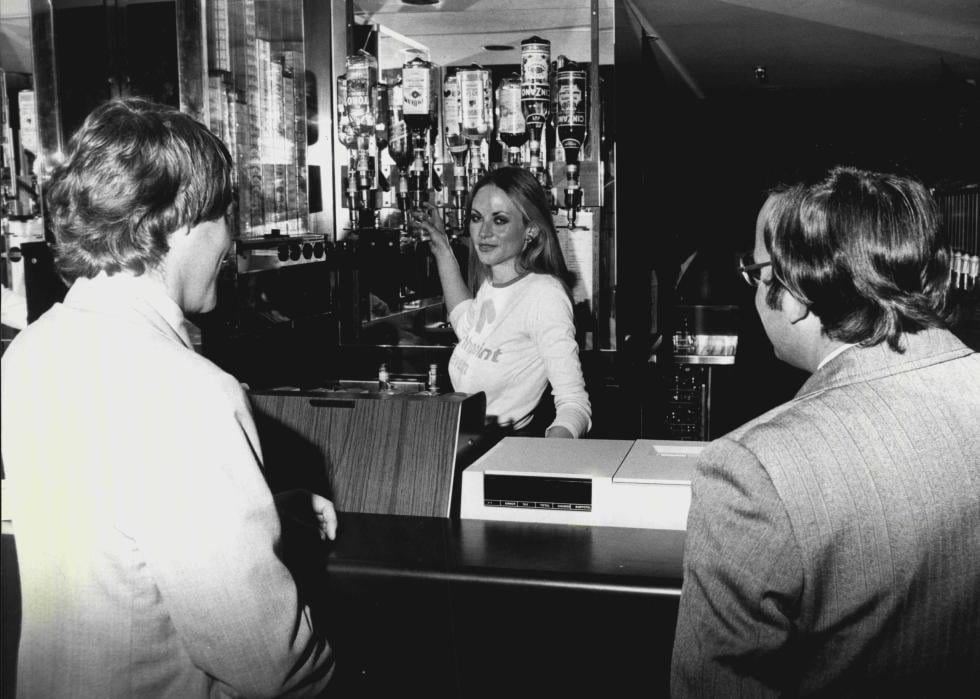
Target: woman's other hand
[{"x": 558, "y": 432}]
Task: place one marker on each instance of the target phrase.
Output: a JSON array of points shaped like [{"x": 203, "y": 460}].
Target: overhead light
[
  {"x": 420, "y": 2},
  {"x": 761, "y": 74},
  {"x": 498, "y": 47}
]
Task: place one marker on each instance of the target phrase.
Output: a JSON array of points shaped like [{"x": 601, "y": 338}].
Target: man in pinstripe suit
[{"x": 833, "y": 544}]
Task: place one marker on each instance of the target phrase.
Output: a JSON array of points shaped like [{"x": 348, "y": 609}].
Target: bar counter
[{"x": 468, "y": 608}]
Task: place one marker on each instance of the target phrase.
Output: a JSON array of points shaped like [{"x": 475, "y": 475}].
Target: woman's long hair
[{"x": 543, "y": 253}]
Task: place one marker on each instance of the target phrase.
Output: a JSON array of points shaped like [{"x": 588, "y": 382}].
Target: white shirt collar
[
  {"x": 143, "y": 287},
  {"x": 833, "y": 354}
]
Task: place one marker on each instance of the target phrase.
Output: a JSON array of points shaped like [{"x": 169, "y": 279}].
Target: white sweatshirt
[{"x": 515, "y": 338}]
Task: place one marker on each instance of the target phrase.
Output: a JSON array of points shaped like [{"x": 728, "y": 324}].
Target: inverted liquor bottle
[
  {"x": 456, "y": 143},
  {"x": 362, "y": 78},
  {"x": 511, "y": 127},
  {"x": 399, "y": 147},
  {"x": 347, "y": 138},
  {"x": 379, "y": 95},
  {"x": 474, "y": 89},
  {"x": 535, "y": 96},
  {"x": 418, "y": 108},
  {"x": 571, "y": 102},
  {"x": 345, "y": 130}
]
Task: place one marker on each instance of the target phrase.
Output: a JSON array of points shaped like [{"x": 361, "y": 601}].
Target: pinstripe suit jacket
[{"x": 833, "y": 544}]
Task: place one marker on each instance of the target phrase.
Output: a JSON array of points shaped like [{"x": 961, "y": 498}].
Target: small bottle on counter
[
  {"x": 432, "y": 383},
  {"x": 384, "y": 380}
]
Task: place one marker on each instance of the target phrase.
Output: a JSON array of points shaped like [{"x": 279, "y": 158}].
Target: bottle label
[
  {"x": 396, "y": 99},
  {"x": 398, "y": 132},
  {"x": 451, "y": 113},
  {"x": 535, "y": 103},
  {"x": 537, "y": 120},
  {"x": 511, "y": 116},
  {"x": 359, "y": 70},
  {"x": 570, "y": 110},
  {"x": 534, "y": 92},
  {"x": 511, "y": 120},
  {"x": 416, "y": 89},
  {"x": 398, "y": 146},
  {"x": 474, "y": 103},
  {"x": 358, "y": 102},
  {"x": 534, "y": 63}
]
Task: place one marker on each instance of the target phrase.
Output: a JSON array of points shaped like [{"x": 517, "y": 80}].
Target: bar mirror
[{"x": 428, "y": 99}]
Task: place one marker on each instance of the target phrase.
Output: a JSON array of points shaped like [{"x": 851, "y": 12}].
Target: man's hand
[
  {"x": 299, "y": 505},
  {"x": 326, "y": 516}
]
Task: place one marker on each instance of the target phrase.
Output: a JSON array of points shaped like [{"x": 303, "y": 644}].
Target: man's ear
[{"x": 795, "y": 309}]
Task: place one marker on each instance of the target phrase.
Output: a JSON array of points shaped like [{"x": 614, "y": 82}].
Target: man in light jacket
[{"x": 148, "y": 541}]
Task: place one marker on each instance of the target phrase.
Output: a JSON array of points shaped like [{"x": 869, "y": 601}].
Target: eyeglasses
[{"x": 751, "y": 271}]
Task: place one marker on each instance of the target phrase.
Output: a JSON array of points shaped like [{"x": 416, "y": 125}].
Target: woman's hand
[
  {"x": 558, "y": 432},
  {"x": 430, "y": 221},
  {"x": 454, "y": 289}
]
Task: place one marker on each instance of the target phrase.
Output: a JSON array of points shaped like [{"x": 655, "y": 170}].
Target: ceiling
[
  {"x": 819, "y": 43},
  {"x": 714, "y": 44},
  {"x": 455, "y": 31},
  {"x": 717, "y": 44},
  {"x": 15, "y": 36}
]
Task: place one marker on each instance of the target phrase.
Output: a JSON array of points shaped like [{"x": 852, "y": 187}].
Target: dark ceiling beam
[{"x": 661, "y": 47}]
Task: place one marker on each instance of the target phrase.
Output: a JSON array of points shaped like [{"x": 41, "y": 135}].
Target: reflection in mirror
[
  {"x": 19, "y": 136},
  {"x": 27, "y": 273},
  {"x": 490, "y": 108}
]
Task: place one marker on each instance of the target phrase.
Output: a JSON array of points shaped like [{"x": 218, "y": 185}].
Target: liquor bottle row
[
  {"x": 406, "y": 117},
  {"x": 960, "y": 212}
]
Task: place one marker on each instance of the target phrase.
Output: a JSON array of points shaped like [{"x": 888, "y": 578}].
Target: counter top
[{"x": 614, "y": 559}]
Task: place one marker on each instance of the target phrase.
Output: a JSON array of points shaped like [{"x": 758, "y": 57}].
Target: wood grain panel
[{"x": 372, "y": 453}]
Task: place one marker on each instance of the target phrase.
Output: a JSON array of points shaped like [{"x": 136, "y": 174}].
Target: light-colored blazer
[
  {"x": 833, "y": 544},
  {"x": 146, "y": 535}
]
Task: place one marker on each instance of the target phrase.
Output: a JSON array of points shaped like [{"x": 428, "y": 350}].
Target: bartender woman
[{"x": 516, "y": 335}]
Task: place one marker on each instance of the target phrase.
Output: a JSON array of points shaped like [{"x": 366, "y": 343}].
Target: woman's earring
[{"x": 527, "y": 241}]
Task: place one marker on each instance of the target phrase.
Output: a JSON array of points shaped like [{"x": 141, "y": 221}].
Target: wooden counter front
[{"x": 369, "y": 452}]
